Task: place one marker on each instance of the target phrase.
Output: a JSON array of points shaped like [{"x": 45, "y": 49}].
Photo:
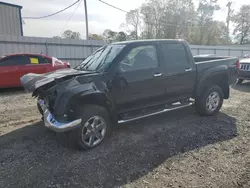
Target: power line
[
  {"x": 166, "y": 24},
  {"x": 41, "y": 17},
  {"x": 113, "y": 6},
  {"x": 71, "y": 17}
]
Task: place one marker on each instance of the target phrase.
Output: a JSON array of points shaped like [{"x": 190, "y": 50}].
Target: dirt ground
[{"x": 176, "y": 149}]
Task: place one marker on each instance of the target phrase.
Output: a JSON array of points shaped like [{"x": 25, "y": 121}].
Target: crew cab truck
[{"x": 126, "y": 81}]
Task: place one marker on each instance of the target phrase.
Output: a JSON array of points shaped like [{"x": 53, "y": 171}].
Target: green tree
[
  {"x": 180, "y": 16},
  {"x": 217, "y": 34},
  {"x": 109, "y": 35},
  {"x": 171, "y": 19},
  {"x": 121, "y": 36},
  {"x": 95, "y": 37},
  {"x": 167, "y": 19},
  {"x": 205, "y": 11},
  {"x": 56, "y": 37},
  {"x": 133, "y": 21},
  {"x": 148, "y": 21},
  {"x": 153, "y": 22},
  {"x": 242, "y": 24},
  {"x": 68, "y": 34}
]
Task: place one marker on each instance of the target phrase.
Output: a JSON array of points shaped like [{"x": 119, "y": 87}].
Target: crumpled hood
[{"x": 32, "y": 81}]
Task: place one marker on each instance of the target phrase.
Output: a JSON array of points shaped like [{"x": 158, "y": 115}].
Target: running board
[{"x": 155, "y": 113}]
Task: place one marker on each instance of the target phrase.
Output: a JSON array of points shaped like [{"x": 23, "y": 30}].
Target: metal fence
[
  {"x": 238, "y": 51},
  {"x": 74, "y": 51}
]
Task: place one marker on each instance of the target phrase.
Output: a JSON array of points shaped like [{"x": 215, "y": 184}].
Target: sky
[{"x": 101, "y": 16}]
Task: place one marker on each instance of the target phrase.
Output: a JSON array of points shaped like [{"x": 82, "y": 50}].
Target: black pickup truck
[{"x": 126, "y": 81}]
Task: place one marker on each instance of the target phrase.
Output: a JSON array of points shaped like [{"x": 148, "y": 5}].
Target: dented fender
[
  {"x": 62, "y": 89},
  {"x": 70, "y": 97}
]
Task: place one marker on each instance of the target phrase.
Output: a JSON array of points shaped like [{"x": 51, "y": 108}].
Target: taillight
[
  {"x": 68, "y": 65},
  {"x": 238, "y": 65}
]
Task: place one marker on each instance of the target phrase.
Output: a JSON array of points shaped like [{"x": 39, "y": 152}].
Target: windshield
[{"x": 101, "y": 58}]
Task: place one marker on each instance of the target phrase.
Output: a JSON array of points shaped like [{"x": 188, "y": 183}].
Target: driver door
[{"x": 139, "y": 79}]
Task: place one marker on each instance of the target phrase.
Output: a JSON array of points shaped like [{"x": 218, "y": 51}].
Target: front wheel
[
  {"x": 94, "y": 129},
  {"x": 210, "y": 102}
]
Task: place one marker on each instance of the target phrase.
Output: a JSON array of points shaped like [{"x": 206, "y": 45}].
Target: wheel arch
[
  {"x": 95, "y": 98},
  {"x": 216, "y": 76}
]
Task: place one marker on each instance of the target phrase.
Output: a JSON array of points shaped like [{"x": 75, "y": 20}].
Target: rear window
[
  {"x": 139, "y": 58},
  {"x": 38, "y": 60},
  {"x": 174, "y": 54}
]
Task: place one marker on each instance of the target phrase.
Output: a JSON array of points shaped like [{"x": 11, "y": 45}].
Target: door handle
[
  {"x": 157, "y": 74},
  {"x": 188, "y": 70}
]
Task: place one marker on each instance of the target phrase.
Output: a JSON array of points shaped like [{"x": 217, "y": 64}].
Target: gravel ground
[{"x": 176, "y": 149}]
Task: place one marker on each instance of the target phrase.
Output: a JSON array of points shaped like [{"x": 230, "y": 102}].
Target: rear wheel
[
  {"x": 94, "y": 129},
  {"x": 239, "y": 81},
  {"x": 210, "y": 102}
]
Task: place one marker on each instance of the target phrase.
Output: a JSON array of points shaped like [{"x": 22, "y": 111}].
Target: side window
[
  {"x": 35, "y": 60},
  {"x": 43, "y": 60},
  {"x": 175, "y": 55},
  {"x": 139, "y": 58},
  {"x": 14, "y": 60}
]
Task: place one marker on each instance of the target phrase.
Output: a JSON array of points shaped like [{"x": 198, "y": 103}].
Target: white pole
[{"x": 86, "y": 19}]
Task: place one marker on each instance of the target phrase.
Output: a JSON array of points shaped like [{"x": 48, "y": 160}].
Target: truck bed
[
  {"x": 198, "y": 59},
  {"x": 230, "y": 63}
]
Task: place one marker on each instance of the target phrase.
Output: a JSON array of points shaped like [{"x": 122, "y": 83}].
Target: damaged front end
[
  {"x": 53, "y": 124},
  {"x": 55, "y": 92}
]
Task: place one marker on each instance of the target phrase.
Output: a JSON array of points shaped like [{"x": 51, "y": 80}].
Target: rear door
[
  {"x": 139, "y": 79},
  {"x": 180, "y": 71},
  {"x": 11, "y": 69}
]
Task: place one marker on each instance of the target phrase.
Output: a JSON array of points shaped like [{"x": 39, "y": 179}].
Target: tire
[
  {"x": 85, "y": 137},
  {"x": 239, "y": 81},
  {"x": 40, "y": 111},
  {"x": 206, "y": 108},
  {"x": 39, "y": 108}
]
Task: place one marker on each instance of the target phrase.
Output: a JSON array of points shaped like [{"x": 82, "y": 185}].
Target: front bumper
[
  {"x": 55, "y": 125},
  {"x": 245, "y": 75}
]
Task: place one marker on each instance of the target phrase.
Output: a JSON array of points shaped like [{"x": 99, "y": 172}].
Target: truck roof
[{"x": 151, "y": 40}]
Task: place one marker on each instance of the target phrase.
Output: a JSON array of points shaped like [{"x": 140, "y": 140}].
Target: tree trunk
[
  {"x": 242, "y": 38},
  {"x": 201, "y": 36}
]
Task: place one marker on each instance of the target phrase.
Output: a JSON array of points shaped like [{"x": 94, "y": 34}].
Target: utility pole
[
  {"x": 229, "y": 14},
  {"x": 86, "y": 19}
]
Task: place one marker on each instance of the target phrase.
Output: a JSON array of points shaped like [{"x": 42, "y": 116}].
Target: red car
[{"x": 13, "y": 67}]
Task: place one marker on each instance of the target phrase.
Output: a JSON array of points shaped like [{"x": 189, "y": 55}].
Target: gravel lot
[{"x": 177, "y": 149}]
